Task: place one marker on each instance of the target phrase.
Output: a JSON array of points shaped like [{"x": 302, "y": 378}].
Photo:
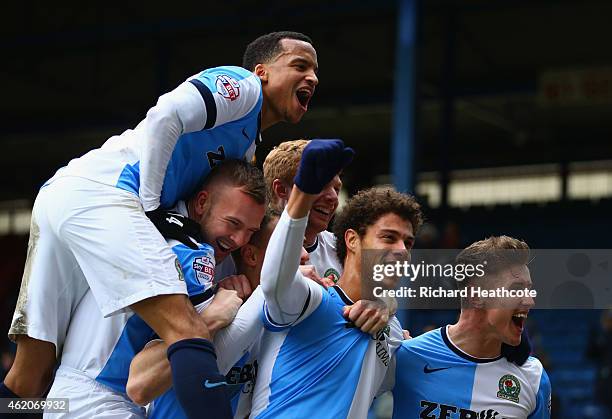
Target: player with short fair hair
[
  {"x": 280, "y": 167},
  {"x": 458, "y": 371},
  {"x": 244, "y": 333},
  {"x": 227, "y": 210},
  {"x": 307, "y": 347},
  {"x": 90, "y": 229},
  {"x": 237, "y": 345}
]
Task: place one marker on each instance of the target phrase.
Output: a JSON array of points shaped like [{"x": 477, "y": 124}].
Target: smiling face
[
  {"x": 324, "y": 206},
  {"x": 506, "y": 317},
  {"x": 390, "y": 232},
  {"x": 228, "y": 217},
  {"x": 288, "y": 82}
]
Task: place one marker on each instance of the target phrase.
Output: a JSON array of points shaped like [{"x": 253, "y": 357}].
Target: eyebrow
[
  {"x": 387, "y": 230},
  {"x": 239, "y": 221}
]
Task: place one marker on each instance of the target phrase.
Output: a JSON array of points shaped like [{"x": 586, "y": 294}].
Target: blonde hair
[{"x": 282, "y": 163}]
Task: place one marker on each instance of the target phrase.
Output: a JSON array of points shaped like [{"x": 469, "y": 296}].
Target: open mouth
[
  {"x": 519, "y": 320},
  {"x": 324, "y": 211},
  {"x": 303, "y": 96},
  {"x": 223, "y": 245}
]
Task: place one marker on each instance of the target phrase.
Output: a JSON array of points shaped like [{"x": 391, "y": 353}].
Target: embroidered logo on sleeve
[
  {"x": 228, "y": 87},
  {"x": 204, "y": 269}
]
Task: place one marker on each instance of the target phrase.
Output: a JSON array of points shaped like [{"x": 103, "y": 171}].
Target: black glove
[
  {"x": 173, "y": 225},
  {"x": 518, "y": 354}
]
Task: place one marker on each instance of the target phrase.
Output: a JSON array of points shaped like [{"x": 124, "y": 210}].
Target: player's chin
[
  {"x": 513, "y": 340},
  {"x": 513, "y": 337},
  {"x": 294, "y": 117},
  {"x": 295, "y": 114}
]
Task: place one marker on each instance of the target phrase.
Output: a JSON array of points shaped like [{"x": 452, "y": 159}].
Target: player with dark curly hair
[{"x": 307, "y": 347}]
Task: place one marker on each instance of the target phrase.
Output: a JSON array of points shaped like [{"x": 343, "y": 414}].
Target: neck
[
  {"x": 268, "y": 116},
  {"x": 350, "y": 280},
  {"x": 310, "y": 236},
  {"x": 470, "y": 334},
  {"x": 190, "y": 209}
]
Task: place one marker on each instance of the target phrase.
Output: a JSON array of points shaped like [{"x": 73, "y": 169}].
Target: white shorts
[
  {"x": 87, "y": 235},
  {"x": 89, "y": 399}
]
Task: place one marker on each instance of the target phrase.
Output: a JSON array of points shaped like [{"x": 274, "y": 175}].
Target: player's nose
[
  {"x": 330, "y": 192},
  {"x": 528, "y": 302},
  {"x": 239, "y": 238},
  {"x": 399, "y": 249},
  {"x": 312, "y": 78}
]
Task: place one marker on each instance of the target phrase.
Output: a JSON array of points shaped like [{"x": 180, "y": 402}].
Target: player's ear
[
  {"x": 262, "y": 72},
  {"x": 248, "y": 253},
  {"x": 281, "y": 190},
  {"x": 352, "y": 241},
  {"x": 202, "y": 200},
  {"x": 474, "y": 301}
]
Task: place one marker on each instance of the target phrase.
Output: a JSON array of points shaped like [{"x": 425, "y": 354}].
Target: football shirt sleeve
[
  {"x": 543, "y": 399},
  {"x": 233, "y": 341},
  {"x": 212, "y": 98},
  {"x": 176, "y": 113},
  {"x": 288, "y": 294}
]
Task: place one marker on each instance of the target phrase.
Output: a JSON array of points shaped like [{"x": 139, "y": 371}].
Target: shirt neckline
[{"x": 462, "y": 354}]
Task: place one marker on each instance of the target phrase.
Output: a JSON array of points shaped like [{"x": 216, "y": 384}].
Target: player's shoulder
[
  {"x": 238, "y": 73},
  {"x": 236, "y": 91},
  {"x": 534, "y": 372},
  {"x": 182, "y": 250},
  {"x": 227, "y": 78},
  {"x": 336, "y": 294},
  {"x": 327, "y": 239},
  {"x": 428, "y": 348},
  {"x": 426, "y": 342},
  {"x": 197, "y": 265}
]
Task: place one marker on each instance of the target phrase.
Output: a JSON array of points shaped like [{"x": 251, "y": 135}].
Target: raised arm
[{"x": 286, "y": 291}]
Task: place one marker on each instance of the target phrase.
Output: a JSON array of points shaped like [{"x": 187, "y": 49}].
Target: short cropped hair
[
  {"x": 240, "y": 174},
  {"x": 497, "y": 253},
  {"x": 367, "y": 206},
  {"x": 282, "y": 163},
  {"x": 267, "y": 47}
]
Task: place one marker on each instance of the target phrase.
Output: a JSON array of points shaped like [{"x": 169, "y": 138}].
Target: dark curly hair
[
  {"x": 367, "y": 206},
  {"x": 265, "y": 48}
]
